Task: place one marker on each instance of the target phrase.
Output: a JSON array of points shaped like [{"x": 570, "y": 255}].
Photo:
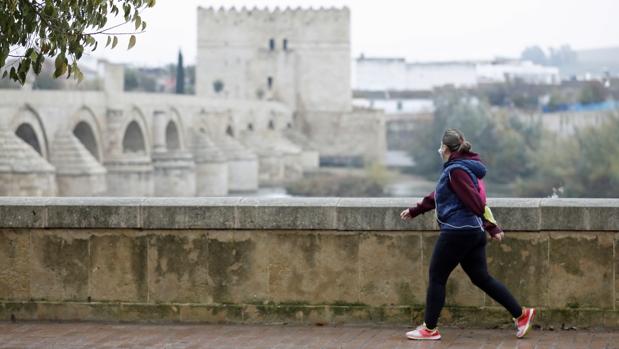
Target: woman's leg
[
  {"x": 476, "y": 267},
  {"x": 447, "y": 253}
]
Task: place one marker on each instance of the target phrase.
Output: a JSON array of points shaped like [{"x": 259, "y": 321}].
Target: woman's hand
[
  {"x": 406, "y": 215},
  {"x": 498, "y": 237}
]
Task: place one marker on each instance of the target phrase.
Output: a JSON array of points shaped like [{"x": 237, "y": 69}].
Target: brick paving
[{"x": 97, "y": 335}]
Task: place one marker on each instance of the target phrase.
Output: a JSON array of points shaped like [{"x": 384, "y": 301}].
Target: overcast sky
[{"x": 417, "y": 30}]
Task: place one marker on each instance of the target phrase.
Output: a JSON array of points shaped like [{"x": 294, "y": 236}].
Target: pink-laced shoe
[
  {"x": 423, "y": 333},
  {"x": 524, "y": 322}
]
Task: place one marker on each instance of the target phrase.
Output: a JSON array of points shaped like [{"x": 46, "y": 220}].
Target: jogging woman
[{"x": 460, "y": 203}]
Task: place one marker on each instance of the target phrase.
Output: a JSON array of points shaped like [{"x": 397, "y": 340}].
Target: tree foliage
[
  {"x": 33, "y": 30},
  {"x": 582, "y": 165},
  {"x": 534, "y": 54},
  {"x": 504, "y": 140},
  {"x": 180, "y": 75}
]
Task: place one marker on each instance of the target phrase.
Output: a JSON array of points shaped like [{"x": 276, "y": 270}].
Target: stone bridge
[
  {"x": 109, "y": 142},
  {"x": 306, "y": 261}
]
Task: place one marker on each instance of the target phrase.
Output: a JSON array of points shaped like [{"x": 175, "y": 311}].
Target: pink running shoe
[
  {"x": 423, "y": 333},
  {"x": 524, "y": 322}
]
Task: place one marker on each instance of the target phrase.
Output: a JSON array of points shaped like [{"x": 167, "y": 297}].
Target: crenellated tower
[{"x": 300, "y": 57}]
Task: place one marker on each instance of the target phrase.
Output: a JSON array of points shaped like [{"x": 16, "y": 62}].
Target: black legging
[{"x": 469, "y": 249}]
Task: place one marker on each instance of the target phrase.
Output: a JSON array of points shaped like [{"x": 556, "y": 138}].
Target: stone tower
[{"x": 300, "y": 57}]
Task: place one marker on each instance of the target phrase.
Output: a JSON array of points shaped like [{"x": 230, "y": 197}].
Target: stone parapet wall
[{"x": 306, "y": 260}]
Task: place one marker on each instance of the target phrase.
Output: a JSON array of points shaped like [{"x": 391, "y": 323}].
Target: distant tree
[
  {"x": 180, "y": 75},
  {"x": 132, "y": 81},
  {"x": 31, "y": 30},
  {"x": 584, "y": 165},
  {"x": 562, "y": 56},
  {"x": 593, "y": 92},
  {"x": 504, "y": 141},
  {"x": 534, "y": 54}
]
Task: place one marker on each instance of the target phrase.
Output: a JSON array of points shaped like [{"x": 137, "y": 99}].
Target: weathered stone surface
[
  {"x": 617, "y": 271},
  {"x": 305, "y": 214},
  {"x": 520, "y": 262},
  {"x": 74, "y": 311},
  {"x": 224, "y": 313},
  {"x": 178, "y": 267},
  {"x": 517, "y": 214},
  {"x": 380, "y": 214},
  {"x": 459, "y": 290},
  {"x": 26, "y": 212},
  {"x": 186, "y": 213},
  {"x": 581, "y": 270},
  {"x": 15, "y": 261},
  {"x": 238, "y": 266},
  {"x": 580, "y": 214},
  {"x": 18, "y": 311},
  {"x": 398, "y": 278},
  {"x": 118, "y": 267},
  {"x": 59, "y": 265},
  {"x": 93, "y": 213},
  {"x": 314, "y": 268}
]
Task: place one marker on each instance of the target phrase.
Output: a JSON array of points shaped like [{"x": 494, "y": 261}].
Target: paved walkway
[{"x": 94, "y": 335}]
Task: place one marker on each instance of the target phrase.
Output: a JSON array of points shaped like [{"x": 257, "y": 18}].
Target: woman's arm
[
  {"x": 462, "y": 184},
  {"x": 427, "y": 204}
]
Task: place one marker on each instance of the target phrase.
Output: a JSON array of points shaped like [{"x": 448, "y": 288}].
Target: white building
[
  {"x": 380, "y": 74},
  {"x": 525, "y": 71},
  {"x": 395, "y": 74}
]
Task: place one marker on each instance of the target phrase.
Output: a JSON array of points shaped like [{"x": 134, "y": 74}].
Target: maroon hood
[{"x": 469, "y": 155}]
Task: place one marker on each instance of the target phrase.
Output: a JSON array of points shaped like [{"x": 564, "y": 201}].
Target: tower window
[
  {"x": 271, "y": 44},
  {"x": 271, "y": 125},
  {"x": 270, "y": 82},
  {"x": 285, "y": 44}
]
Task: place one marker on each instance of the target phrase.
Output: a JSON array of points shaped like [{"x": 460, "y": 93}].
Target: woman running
[{"x": 463, "y": 218}]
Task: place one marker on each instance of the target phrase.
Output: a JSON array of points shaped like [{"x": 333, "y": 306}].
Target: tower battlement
[{"x": 250, "y": 11}]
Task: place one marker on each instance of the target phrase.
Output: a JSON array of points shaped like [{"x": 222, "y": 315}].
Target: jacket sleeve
[
  {"x": 427, "y": 204},
  {"x": 462, "y": 184}
]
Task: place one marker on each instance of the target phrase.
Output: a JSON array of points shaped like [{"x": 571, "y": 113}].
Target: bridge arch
[
  {"x": 86, "y": 129},
  {"x": 175, "y": 136},
  {"x": 28, "y": 126},
  {"x": 135, "y": 139}
]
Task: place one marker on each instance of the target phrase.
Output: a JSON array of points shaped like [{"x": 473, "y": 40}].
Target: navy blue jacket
[{"x": 451, "y": 213}]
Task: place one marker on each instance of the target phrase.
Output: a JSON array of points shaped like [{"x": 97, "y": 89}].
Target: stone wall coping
[{"x": 250, "y": 213}]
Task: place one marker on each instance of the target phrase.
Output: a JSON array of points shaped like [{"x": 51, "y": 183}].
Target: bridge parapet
[{"x": 303, "y": 260}]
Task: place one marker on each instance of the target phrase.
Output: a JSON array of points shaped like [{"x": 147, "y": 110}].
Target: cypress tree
[{"x": 180, "y": 75}]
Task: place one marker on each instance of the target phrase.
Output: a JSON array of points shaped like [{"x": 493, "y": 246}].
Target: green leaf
[
  {"x": 78, "y": 73},
  {"x": 143, "y": 26},
  {"x": 38, "y": 64},
  {"x": 138, "y": 22},
  {"x": 108, "y": 41},
  {"x": 4, "y": 75},
  {"x": 28, "y": 52},
  {"x": 60, "y": 70},
  {"x": 59, "y": 61},
  {"x": 114, "y": 42},
  {"x": 131, "y": 42},
  {"x": 13, "y": 74}
]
